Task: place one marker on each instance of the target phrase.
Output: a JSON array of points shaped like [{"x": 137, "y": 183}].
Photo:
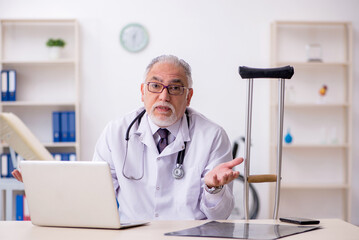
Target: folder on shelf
[
  {"x": 56, "y": 124},
  {"x": 11, "y": 164},
  {"x": 72, "y": 126},
  {"x": 19, "y": 207},
  {"x": 56, "y": 156},
  {"x": 4, "y": 85},
  {"x": 64, "y": 127},
  {"x": 65, "y": 157},
  {"x": 72, "y": 156},
  {"x": 12, "y": 85},
  {"x": 4, "y": 165}
]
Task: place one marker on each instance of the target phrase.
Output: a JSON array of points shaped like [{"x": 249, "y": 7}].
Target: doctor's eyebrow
[{"x": 171, "y": 82}]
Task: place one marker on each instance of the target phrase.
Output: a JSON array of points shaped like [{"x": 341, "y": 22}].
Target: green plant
[{"x": 55, "y": 43}]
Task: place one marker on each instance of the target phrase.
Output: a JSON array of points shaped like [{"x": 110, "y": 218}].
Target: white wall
[{"x": 213, "y": 36}]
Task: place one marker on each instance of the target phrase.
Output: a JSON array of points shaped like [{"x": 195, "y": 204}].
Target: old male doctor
[{"x": 171, "y": 162}]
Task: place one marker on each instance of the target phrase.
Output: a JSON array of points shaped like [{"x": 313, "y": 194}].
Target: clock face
[{"x": 134, "y": 37}]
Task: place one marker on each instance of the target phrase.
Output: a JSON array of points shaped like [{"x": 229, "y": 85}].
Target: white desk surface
[{"x": 13, "y": 230}]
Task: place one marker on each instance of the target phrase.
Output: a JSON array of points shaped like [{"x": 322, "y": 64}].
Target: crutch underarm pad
[{"x": 281, "y": 72}]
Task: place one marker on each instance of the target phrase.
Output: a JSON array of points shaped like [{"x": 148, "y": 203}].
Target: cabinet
[
  {"x": 316, "y": 164},
  {"x": 43, "y": 84}
]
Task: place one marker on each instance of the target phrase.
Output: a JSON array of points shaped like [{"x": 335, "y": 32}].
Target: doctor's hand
[
  {"x": 222, "y": 174},
  {"x": 17, "y": 174}
]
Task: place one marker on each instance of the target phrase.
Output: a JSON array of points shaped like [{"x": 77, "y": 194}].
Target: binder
[
  {"x": 57, "y": 156},
  {"x": 72, "y": 156},
  {"x": 56, "y": 123},
  {"x": 72, "y": 126},
  {"x": 4, "y": 165},
  {"x": 65, "y": 157},
  {"x": 64, "y": 127},
  {"x": 4, "y": 85},
  {"x": 19, "y": 207},
  {"x": 12, "y": 85},
  {"x": 10, "y": 166}
]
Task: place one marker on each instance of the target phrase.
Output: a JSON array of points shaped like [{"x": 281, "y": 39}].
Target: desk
[{"x": 12, "y": 230}]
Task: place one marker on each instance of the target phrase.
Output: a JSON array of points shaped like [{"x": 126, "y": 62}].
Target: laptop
[{"x": 71, "y": 194}]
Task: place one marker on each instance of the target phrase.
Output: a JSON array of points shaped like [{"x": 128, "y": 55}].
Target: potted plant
[{"x": 55, "y": 46}]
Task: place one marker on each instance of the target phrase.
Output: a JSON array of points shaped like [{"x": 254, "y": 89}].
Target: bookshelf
[
  {"x": 43, "y": 84},
  {"x": 316, "y": 164}
]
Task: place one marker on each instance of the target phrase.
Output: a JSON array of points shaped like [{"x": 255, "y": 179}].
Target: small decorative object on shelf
[
  {"x": 322, "y": 94},
  {"x": 288, "y": 137},
  {"x": 55, "y": 47},
  {"x": 314, "y": 52}
]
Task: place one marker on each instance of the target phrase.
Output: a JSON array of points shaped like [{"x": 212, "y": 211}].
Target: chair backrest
[{"x": 19, "y": 137}]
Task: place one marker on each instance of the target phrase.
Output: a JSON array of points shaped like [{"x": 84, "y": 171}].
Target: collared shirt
[{"x": 156, "y": 195}]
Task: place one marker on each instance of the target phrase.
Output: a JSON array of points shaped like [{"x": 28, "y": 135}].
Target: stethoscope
[{"x": 177, "y": 172}]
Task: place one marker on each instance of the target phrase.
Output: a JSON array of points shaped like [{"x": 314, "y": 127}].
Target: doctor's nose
[{"x": 164, "y": 95}]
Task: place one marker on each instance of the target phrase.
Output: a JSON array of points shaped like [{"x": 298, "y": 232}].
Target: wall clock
[{"x": 134, "y": 37}]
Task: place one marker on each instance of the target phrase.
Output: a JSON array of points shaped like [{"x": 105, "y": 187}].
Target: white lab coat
[{"x": 158, "y": 196}]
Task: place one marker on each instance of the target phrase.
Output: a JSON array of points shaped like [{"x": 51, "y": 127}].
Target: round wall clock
[{"x": 134, "y": 37}]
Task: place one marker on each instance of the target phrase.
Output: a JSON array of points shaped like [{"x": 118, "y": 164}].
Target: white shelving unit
[
  {"x": 44, "y": 85},
  {"x": 316, "y": 164}
]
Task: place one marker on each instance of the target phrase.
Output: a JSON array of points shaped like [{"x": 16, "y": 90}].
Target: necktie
[{"x": 163, "y": 132}]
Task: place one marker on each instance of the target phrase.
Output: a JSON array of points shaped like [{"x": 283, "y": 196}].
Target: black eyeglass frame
[{"x": 168, "y": 88}]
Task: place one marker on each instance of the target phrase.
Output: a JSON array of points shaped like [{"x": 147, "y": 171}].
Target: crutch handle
[
  {"x": 281, "y": 72},
  {"x": 262, "y": 178}
]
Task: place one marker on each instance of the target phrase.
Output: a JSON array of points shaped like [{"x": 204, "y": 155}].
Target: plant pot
[{"x": 55, "y": 52}]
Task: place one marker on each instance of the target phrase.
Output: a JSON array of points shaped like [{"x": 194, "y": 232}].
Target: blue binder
[
  {"x": 19, "y": 207},
  {"x": 64, "y": 129},
  {"x": 12, "y": 85},
  {"x": 10, "y": 165},
  {"x": 65, "y": 157},
  {"x": 72, "y": 126},
  {"x": 56, "y": 123},
  {"x": 4, "y": 85}
]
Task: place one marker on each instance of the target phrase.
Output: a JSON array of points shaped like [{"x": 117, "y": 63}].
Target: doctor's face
[{"x": 164, "y": 108}]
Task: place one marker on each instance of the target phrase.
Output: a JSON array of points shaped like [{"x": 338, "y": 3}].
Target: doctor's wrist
[{"x": 213, "y": 190}]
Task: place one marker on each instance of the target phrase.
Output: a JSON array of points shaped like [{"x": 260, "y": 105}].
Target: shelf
[
  {"x": 11, "y": 183},
  {"x": 314, "y": 186},
  {"x": 313, "y": 105},
  {"x": 54, "y": 145},
  {"x": 38, "y": 62},
  {"x": 314, "y": 64},
  {"x": 319, "y": 158},
  {"x": 313, "y": 146},
  {"x": 36, "y": 104}
]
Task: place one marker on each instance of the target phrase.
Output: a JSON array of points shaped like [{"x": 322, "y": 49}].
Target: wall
[{"x": 213, "y": 36}]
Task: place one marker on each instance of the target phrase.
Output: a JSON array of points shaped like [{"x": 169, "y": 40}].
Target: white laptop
[{"x": 71, "y": 194}]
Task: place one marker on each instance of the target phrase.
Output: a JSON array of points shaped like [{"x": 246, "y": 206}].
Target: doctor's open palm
[{"x": 223, "y": 173}]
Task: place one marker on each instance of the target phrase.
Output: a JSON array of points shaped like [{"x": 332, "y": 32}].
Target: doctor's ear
[{"x": 189, "y": 96}]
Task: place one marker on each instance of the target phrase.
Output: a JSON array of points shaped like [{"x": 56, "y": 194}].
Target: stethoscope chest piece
[{"x": 178, "y": 172}]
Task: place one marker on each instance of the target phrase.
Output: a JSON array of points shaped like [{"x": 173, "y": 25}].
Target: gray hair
[{"x": 174, "y": 60}]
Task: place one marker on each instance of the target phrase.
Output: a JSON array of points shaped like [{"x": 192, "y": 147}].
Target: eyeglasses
[{"x": 156, "y": 87}]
